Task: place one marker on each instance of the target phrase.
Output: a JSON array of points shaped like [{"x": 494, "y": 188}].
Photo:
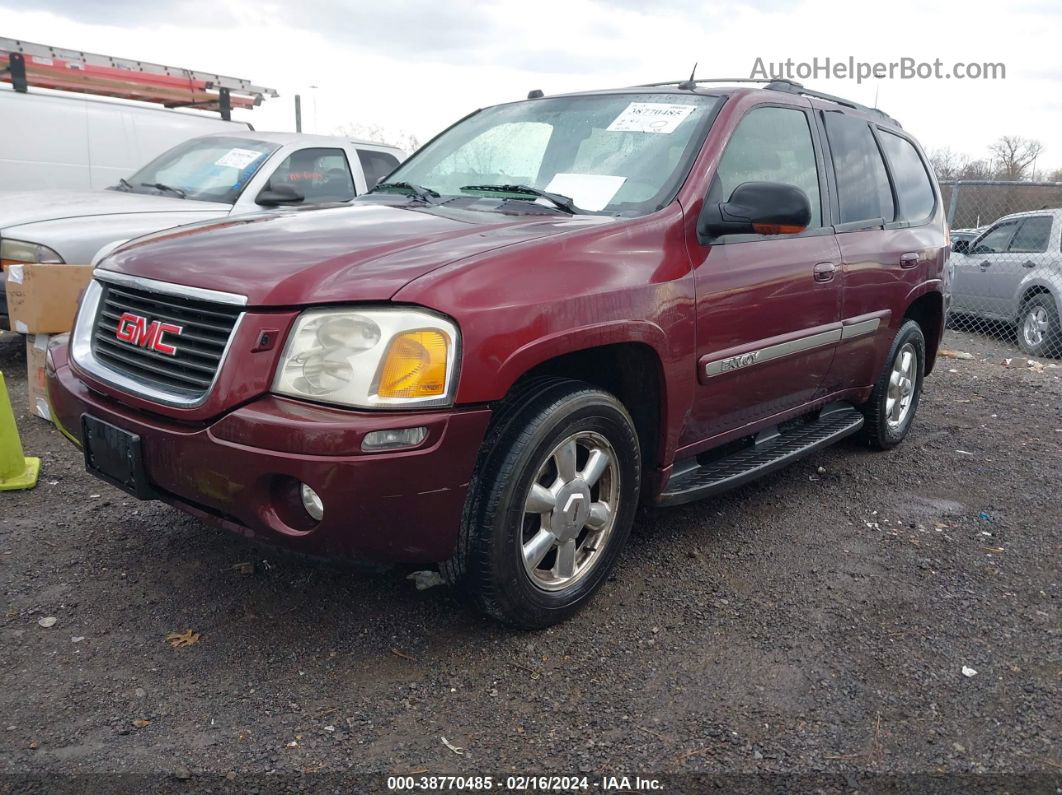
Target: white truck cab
[{"x": 205, "y": 178}]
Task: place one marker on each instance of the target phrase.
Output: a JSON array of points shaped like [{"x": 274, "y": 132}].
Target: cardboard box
[
  {"x": 36, "y": 355},
  {"x": 42, "y": 299}
]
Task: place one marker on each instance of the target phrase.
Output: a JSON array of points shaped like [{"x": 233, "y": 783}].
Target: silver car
[
  {"x": 1012, "y": 273},
  {"x": 201, "y": 179}
]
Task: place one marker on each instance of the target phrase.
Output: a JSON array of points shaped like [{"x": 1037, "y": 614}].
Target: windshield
[
  {"x": 618, "y": 154},
  {"x": 212, "y": 169}
]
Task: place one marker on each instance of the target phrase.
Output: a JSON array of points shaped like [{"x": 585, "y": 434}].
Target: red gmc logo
[{"x": 136, "y": 329}]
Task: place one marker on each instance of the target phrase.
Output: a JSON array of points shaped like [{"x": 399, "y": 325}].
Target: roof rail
[
  {"x": 24, "y": 63},
  {"x": 775, "y": 84}
]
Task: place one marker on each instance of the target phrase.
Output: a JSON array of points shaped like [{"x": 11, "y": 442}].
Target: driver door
[{"x": 768, "y": 308}]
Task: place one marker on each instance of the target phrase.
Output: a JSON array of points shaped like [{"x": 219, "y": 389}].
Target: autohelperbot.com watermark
[{"x": 851, "y": 68}]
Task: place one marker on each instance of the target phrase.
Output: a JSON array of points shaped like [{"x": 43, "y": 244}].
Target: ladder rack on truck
[{"x": 24, "y": 63}]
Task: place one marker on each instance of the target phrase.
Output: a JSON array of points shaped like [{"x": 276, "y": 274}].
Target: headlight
[
  {"x": 370, "y": 358},
  {"x": 16, "y": 251}
]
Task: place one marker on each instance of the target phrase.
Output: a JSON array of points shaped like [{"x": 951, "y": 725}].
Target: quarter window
[
  {"x": 913, "y": 187},
  {"x": 1031, "y": 237},
  {"x": 771, "y": 145},
  {"x": 862, "y": 182}
]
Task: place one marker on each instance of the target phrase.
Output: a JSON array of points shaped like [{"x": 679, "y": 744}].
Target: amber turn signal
[{"x": 415, "y": 366}]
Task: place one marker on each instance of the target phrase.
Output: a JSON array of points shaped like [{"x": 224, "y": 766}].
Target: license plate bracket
[{"x": 115, "y": 456}]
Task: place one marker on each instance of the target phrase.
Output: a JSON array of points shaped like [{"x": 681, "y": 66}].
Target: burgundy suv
[{"x": 554, "y": 311}]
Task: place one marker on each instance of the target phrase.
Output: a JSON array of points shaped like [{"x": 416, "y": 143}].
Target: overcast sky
[{"x": 417, "y": 65}]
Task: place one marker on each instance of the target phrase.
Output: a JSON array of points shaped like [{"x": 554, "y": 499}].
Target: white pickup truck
[{"x": 201, "y": 179}]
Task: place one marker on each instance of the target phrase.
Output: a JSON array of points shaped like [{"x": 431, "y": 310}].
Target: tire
[
  {"x": 887, "y": 417},
  {"x": 527, "y": 464},
  {"x": 1039, "y": 330}
]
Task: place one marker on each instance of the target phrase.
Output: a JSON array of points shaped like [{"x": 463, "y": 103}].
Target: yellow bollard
[{"x": 16, "y": 471}]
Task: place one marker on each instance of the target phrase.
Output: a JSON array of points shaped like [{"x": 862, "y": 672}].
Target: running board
[{"x": 773, "y": 450}]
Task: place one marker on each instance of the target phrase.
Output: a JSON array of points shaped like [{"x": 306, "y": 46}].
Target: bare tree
[
  {"x": 1014, "y": 154},
  {"x": 1055, "y": 176},
  {"x": 976, "y": 169},
  {"x": 946, "y": 163}
]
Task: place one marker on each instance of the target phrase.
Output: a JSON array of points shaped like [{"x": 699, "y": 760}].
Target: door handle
[
  {"x": 1028, "y": 264},
  {"x": 985, "y": 265},
  {"x": 909, "y": 260},
  {"x": 824, "y": 271}
]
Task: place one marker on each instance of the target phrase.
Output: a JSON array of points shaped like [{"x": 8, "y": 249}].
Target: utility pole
[{"x": 298, "y": 113}]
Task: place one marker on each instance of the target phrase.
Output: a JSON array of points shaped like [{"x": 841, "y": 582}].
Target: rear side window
[
  {"x": 376, "y": 165},
  {"x": 1031, "y": 237},
  {"x": 996, "y": 239},
  {"x": 913, "y": 188},
  {"x": 862, "y": 182},
  {"x": 771, "y": 145}
]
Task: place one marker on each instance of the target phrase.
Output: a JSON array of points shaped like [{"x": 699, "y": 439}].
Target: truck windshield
[
  {"x": 615, "y": 154},
  {"x": 213, "y": 169}
]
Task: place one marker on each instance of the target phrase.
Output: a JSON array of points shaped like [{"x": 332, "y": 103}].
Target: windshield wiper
[
  {"x": 560, "y": 202},
  {"x": 123, "y": 184},
  {"x": 180, "y": 194},
  {"x": 419, "y": 192}
]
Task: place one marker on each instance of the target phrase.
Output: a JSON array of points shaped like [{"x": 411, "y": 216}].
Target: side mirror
[
  {"x": 961, "y": 246},
  {"x": 756, "y": 208},
  {"x": 274, "y": 195}
]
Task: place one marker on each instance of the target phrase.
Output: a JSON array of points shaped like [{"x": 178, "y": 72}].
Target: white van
[{"x": 55, "y": 140}]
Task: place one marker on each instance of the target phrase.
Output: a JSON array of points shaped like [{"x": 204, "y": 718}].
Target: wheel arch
[
  {"x": 633, "y": 371},
  {"x": 927, "y": 310}
]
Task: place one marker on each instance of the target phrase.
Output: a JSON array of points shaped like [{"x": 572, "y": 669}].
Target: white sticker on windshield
[
  {"x": 238, "y": 158},
  {"x": 650, "y": 117},
  {"x": 590, "y": 192}
]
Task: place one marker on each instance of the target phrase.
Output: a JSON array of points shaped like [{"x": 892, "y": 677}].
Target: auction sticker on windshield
[
  {"x": 654, "y": 117},
  {"x": 238, "y": 158},
  {"x": 590, "y": 191}
]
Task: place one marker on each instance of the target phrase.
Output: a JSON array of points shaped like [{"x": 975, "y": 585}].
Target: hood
[
  {"x": 352, "y": 253},
  {"x": 32, "y": 207}
]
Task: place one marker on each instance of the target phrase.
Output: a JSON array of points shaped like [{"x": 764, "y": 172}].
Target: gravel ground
[{"x": 818, "y": 622}]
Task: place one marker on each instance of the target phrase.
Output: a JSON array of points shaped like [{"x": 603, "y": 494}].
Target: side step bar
[{"x": 773, "y": 450}]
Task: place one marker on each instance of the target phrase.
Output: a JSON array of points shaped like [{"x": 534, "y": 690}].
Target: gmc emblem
[{"x": 136, "y": 330}]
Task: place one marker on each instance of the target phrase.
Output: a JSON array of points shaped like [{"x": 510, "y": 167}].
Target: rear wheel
[
  {"x": 894, "y": 401},
  {"x": 552, "y": 503},
  {"x": 1039, "y": 332}
]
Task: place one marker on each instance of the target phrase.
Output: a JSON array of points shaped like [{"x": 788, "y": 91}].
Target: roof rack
[
  {"x": 773, "y": 84},
  {"x": 23, "y": 63}
]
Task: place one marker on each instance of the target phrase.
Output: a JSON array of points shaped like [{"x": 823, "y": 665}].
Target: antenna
[{"x": 690, "y": 84}]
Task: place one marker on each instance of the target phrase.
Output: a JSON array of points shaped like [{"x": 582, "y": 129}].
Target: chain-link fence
[{"x": 1007, "y": 262}]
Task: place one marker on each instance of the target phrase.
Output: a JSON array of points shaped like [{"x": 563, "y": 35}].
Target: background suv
[{"x": 1012, "y": 272}]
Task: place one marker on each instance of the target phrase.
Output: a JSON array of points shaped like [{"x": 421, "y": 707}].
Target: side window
[
  {"x": 771, "y": 145},
  {"x": 376, "y": 165},
  {"x": 1032, "y": 235},
  {"x": 319, "y": 174},
  {"x": 913, "y": 187},
  {"x": 862, "y": 183},
  {"x": 996, "y": 239}
]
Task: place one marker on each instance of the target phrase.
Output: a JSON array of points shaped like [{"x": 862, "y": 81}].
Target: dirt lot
[{"x": 817, "y": 622}]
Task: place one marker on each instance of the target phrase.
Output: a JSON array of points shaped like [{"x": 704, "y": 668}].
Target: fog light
[
  {"x": 311, "y": 502},
  {"x": 393, "y": 439}
]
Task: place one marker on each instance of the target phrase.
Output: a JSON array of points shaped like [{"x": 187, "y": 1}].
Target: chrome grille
[{"x": 189, "y": 372}]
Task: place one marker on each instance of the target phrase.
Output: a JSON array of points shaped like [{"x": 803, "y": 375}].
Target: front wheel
[
  {"x": 552, "y": 503},
  {"x": 1039, "y": 331},
  {"x": 894, "y": 401}
]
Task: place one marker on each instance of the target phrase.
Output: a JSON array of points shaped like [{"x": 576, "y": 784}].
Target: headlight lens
[
  {"x": 13, "y": 252},
  {"x": 371, "y": 358}
]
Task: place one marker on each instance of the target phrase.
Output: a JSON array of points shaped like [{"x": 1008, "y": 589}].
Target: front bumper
[{"x": 240, "y": 471}]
